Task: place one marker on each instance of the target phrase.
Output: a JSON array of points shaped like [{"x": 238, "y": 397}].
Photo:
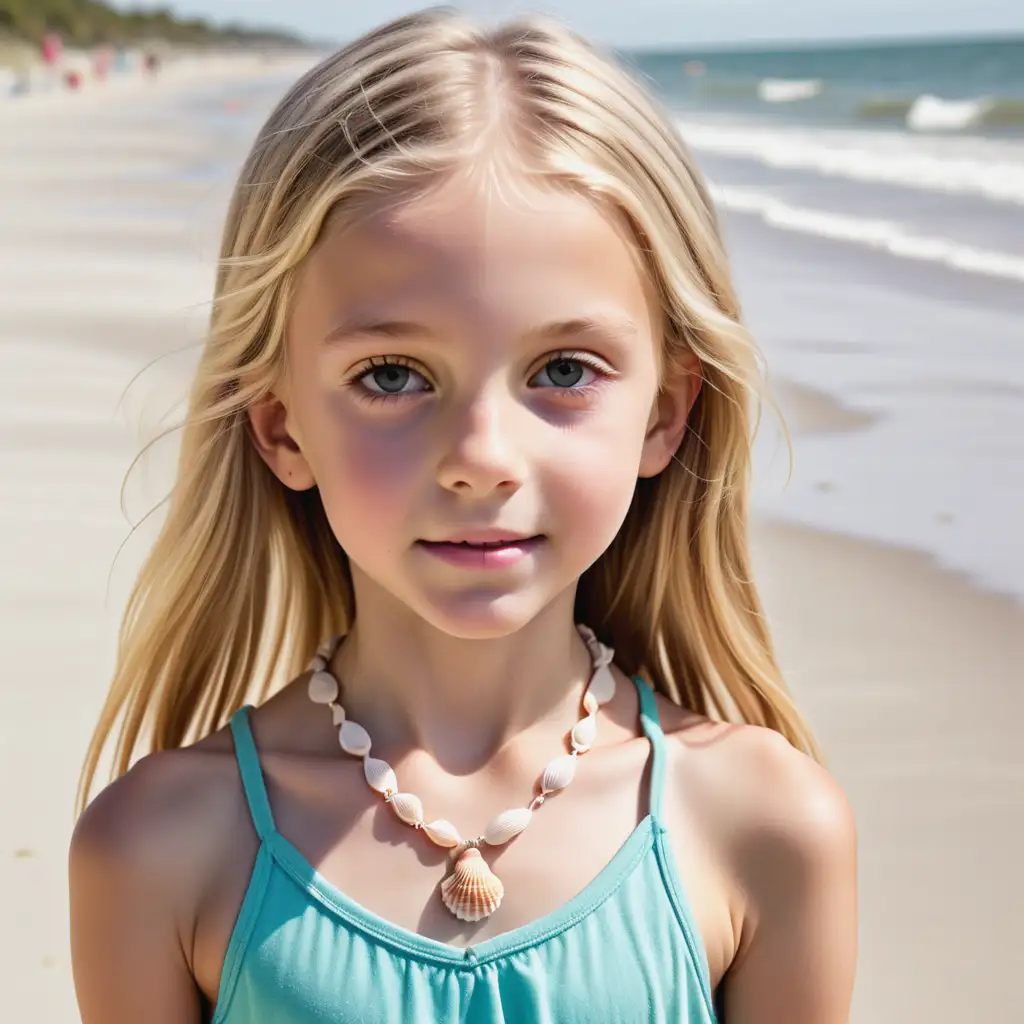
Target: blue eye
[
  {"x": 566, "y": 371},
  {"x": 386, "y": 377}
]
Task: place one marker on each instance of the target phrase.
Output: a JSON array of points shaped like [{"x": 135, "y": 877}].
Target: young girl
[{"x": 471, "y": 431}]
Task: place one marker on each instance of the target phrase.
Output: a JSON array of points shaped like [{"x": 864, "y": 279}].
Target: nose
[{"x": 483, "y": 449}]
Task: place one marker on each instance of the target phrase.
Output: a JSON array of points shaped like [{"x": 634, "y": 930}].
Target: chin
[{"x": 481, "y": 613}]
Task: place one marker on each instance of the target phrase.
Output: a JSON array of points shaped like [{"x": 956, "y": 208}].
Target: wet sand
[
  {"x": 910, "y": 675},
  {"x": 912, "y": 680}
]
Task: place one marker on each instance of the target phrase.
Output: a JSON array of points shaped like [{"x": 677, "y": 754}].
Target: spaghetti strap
[
  {"x": 252, "y": 775},
  {"x": 651, "y": 722}
]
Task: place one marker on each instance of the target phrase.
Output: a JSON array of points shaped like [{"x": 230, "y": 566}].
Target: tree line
[{"x": 89, "y": 23}]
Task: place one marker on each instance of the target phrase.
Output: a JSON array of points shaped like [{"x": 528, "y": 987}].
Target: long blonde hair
[{"x": 246, "y": 577}]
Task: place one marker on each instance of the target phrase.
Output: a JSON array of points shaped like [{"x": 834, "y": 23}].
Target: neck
[{"x": 414, "y": 687}]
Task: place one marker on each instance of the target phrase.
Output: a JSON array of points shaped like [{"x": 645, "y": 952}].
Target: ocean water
[
  {"x": 873, "y": 204},
  {"x": 915, "y": 150},
  {"x": 973, "y": 86}
]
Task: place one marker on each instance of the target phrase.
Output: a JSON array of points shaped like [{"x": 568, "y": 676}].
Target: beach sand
[{"x": 108, "y": 231}]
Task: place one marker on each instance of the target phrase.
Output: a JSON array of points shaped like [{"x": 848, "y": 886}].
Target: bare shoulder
[
  {"x": 143, "y": 857},
  {"x": 780, "y": 833},
  {"x": 772, "y": 810},
  {"x": 163, "y": 826}
]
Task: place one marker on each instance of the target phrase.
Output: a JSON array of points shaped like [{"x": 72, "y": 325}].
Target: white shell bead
[
  {"x": 602, "y": 685},
  {"x": 408, "y": 807},
  {"x": 442, "y": 832},
  {"x": 590, "y": 704},
  {"x": 583, "y": 733},
  {"x": 380, "y": 775},
  {"x": 354, "y": 738},
  {"x": 318, "y": 664},
  {"x": 326, "y": 649},
  {"x": 337, "y": 714},
  {"x": 559, "y": 773},
  {"x": 323, "y": 688},
  {"x": 507, "y": 825}
]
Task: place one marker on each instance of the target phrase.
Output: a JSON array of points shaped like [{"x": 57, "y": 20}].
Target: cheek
[
  {"x": 592, "y": 477},
  {"x": 368, "y": 475}
]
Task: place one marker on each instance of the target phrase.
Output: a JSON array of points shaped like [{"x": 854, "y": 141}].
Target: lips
[
  {"x": 485, "y": 544},
  {"x": 494, "y": 553},
  {"x": 485, "y": 539}
]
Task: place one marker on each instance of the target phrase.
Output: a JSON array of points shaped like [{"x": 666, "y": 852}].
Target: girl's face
[{"x": 479, "y": 362}]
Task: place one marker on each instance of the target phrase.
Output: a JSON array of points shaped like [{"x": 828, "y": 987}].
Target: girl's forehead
[
  {"x": 483, "y": 208},
  {"x": 506, "y": 236}
]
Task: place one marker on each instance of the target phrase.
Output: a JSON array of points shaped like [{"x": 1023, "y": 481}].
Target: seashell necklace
[{"x": 472, "y": 891}]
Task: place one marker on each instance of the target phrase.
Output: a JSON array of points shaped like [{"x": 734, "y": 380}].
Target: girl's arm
[
  {"x": 797, "y": 864},
  {"x": 126, "y": 905}
]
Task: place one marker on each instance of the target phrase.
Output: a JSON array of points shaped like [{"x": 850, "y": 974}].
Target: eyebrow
[
  {"x": 375, "y": 328},
  {"x": 612, "y": 327}
]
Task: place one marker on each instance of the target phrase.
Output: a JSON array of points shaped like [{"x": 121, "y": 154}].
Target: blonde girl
[{"x": 459, "y": 700}]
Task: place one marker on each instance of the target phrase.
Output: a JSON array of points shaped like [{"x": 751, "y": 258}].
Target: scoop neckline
[{"x": 578, "y": 907}]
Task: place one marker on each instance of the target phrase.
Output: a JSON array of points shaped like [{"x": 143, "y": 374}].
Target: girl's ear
[
  {"x": 274, "y": 437},
  {"x": 669, "y": 414}
]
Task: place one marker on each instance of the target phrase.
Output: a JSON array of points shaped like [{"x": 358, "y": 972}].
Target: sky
[{"x": 640, "y": 23}]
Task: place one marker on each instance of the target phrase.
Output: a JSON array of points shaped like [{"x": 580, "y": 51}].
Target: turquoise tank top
[{"x": 624, "y": 949}]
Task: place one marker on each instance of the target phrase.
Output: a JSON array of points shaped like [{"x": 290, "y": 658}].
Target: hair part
[{"x": 246, "y": 577}]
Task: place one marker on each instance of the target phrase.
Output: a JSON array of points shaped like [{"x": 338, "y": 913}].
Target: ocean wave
[
  {"x": 931, "y": 113},
  {"x": 787, "y": 90},
  {"x": 767, "y": 90},
  {"x": 883, "y": 235},
  {"x": 862, "y": 157}
]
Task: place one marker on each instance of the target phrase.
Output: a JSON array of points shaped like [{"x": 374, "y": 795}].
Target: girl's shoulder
[
  {"x": 165, "y": 827},
  {"x": 179, "y": 817},
  {"x": 774, "y": 817},
  {"x": 750, "y": 778},
  {"x": 768, "y": 837}
]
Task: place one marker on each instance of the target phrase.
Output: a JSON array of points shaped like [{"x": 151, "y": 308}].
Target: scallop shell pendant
[{"x": 472, "y": 891}]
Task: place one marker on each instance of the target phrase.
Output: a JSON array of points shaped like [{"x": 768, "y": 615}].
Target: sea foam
[
  {"x": 994, "y": 172},
  {"x": 883, "y": 235}
]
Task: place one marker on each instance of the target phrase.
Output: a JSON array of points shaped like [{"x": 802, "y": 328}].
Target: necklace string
[{"x": 472, "y": 891}]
